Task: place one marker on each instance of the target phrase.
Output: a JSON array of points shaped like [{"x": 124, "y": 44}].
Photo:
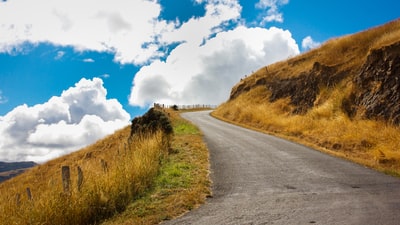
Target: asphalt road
[{"x": 261, "y": 179}]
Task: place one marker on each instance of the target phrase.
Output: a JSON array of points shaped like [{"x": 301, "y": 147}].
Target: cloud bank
[
  {"x": 183, "y": 62},
  {"x": 212, "y": 56},
  {"x": 80, "y": 116},
  {"x": 205, "y": 74},
  {"x": 119, "y": 26}
]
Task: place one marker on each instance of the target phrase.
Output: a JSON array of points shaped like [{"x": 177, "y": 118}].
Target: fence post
[
  {"x": 66, "y": 179},
  {"x": 18, "y": 199},
  {"x": 104, "y": 165},
  {"x": 29, "y": 193},
  {"x": 80, "y": 178}
]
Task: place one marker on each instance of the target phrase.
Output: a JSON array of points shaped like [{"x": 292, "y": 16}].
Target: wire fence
[{"x": 177, "y": 107}]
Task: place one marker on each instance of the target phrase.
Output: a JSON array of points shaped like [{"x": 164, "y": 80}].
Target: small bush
[
  {"x": 174, "y": 107},
  {"x": 151, "y": 122}
]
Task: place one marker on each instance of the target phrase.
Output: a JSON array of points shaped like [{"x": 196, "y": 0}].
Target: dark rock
[{"x": 377, "y": 86}]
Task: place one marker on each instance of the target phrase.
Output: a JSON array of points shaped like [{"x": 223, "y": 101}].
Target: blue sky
[{"x": 91, "y": 66}]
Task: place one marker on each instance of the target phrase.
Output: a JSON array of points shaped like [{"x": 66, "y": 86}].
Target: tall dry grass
[
  {"x": 115, "y": 172},
  {"x": 325, "y": 127}
]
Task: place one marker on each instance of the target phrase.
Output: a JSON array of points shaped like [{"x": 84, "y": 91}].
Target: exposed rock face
[
  {"x": 302, "y": 89},
  {"x": 377, "y": 92}
]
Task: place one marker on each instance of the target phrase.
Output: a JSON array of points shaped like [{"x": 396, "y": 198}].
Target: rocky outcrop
[
  {"x": 377, "y": 86},
  {"x": 302, "y": 89},
  {"x": 375, "y": 81}
]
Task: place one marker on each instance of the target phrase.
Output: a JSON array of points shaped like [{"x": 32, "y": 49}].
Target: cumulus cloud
[
  {"x": 218, "y": 13},
  {"x": 211, "y": 53},
  {"x": 272, "y": 13},
  {"x": 122, "y": 27},
  {"x": 210, "y": 58},
  {"x": 80, "y": 116},
  {"x": 309, "y": 43},
  {"x": 205, "y": 74}
]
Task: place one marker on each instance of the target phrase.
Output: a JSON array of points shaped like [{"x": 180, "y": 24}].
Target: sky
[{"x": 74, "y": 71}]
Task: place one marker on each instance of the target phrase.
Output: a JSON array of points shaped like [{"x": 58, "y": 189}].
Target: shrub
[{"x": 151, "y": 122}]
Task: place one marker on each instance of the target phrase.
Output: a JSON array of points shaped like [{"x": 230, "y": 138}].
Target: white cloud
[
  {"x": 309, "y": 43},
  {"x": 210, "y": 58},
  {"x": 88, "y": 60},
  {"x": 205, "y": 74},
  {"x": 3, "y": 99},
  {"x": 218, "y": 13},
  {"x": 106, "y": 75},
  {"x": 121, "y": 27},
  {"x": 272, "y": 14},
  {"x": 59, "y": 55},
  {"x": 132, "y": 30},
  {"x": 80, "y": 116}
]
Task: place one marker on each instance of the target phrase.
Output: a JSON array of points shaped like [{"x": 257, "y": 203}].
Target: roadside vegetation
[
  {"x": 333, "y": 122},
  {"x": 122, "y": 179},
  {"x": 371, "y": 143}
]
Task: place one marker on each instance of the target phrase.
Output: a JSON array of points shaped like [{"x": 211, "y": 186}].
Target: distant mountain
[{"x": 11, "y": 169}]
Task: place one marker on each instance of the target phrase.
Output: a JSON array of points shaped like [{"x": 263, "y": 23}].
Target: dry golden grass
[
  {"x": 115, "y": 172},
  {"x": 143, "y": 179},
  {"x": 325, "y": 126},
  {"x": 182, "y": 184}
]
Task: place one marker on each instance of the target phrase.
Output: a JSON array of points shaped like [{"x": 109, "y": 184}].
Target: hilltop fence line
[{"x": 194, "y": 106}]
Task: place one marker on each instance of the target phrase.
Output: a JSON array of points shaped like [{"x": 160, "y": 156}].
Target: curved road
[{"x": 261, "y": 179}]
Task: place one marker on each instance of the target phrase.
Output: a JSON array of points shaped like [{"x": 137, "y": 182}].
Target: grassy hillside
[
  {"x": 116, "y": 178},
  {"x": 342, "y": 98},
  {"x": 9, "y": 170}
]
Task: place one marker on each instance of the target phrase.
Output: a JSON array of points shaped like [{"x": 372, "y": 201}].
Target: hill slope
[
  {"x": 125, "y": 178},
  {"x": 341, "y": 97},
  {"x": 9, "y": 170}
]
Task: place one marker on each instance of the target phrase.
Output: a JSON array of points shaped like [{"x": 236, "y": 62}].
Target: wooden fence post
[
  {"x": 29, "y": 193},
  {"x": 104, "y": 165},
  {"x": 80, "y": 178},
  {"x": 66, "y": 179},
  {"x": 18, "y": 199}
]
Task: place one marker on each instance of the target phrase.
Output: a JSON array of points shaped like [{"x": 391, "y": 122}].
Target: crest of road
[{"x": 261, "y": 179}]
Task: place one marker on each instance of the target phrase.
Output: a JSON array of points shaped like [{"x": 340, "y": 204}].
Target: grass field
[{"x": 143, "y": 181}]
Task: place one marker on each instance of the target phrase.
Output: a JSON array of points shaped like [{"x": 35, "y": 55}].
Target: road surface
[{"x": 261, "y": 179}]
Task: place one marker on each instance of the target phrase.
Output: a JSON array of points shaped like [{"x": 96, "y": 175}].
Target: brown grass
[
  {"x": 325, "y": 126},
  {"x": 182, "y": 184},
  {"x": 105, "y": 191},
  {"x": 136, "y": 172}
]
